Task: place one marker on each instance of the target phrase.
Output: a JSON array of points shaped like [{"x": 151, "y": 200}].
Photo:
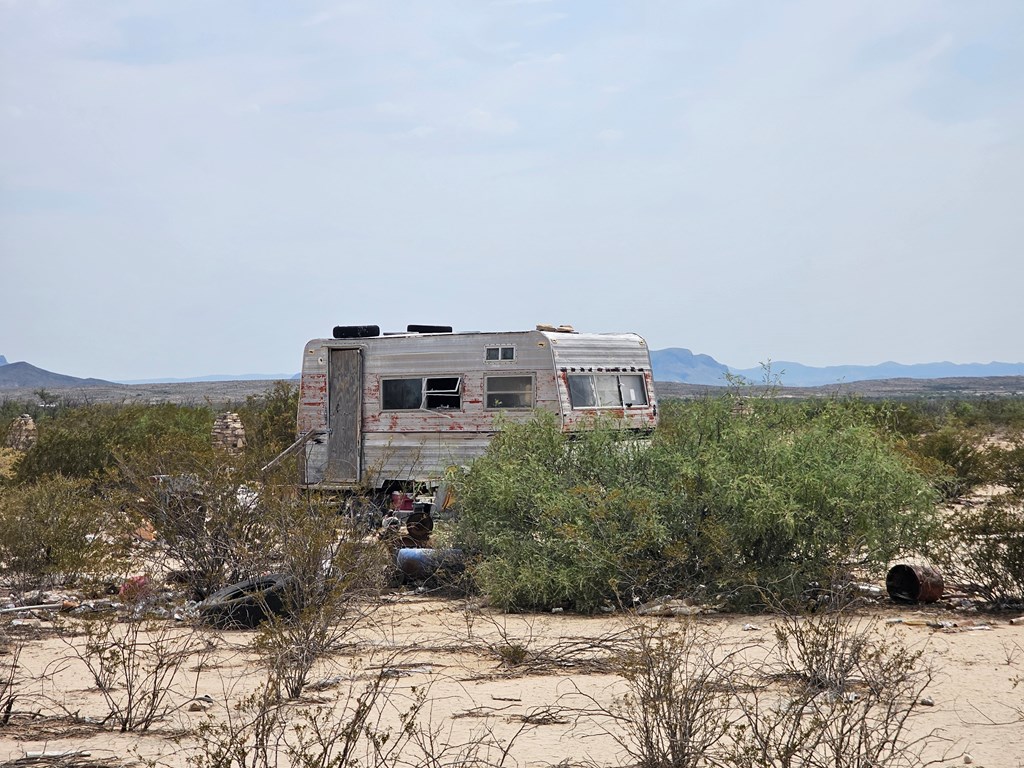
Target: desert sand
[{"x": 451, "y": 650}]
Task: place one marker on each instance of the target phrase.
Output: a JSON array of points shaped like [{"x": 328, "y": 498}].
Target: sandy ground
[{"x": 452, "y": 653}]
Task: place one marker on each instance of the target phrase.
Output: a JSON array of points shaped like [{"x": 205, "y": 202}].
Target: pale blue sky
[{"x": 199, "y": 187}]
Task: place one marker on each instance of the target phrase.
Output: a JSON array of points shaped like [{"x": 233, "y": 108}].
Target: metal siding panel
[{"x": 420, "y": 456}]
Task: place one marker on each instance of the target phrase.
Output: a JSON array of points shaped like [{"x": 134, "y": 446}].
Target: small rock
[
  {"x": 750, "y": 627},
  {"x": 968, "y": 759},
  {"x": 325, "y": 683},
  {"x": 686, "y": 610},
  {"x": 201, "y": 703},
  {"x": 557, "y": 610},
  {"x": 926, "y": 701}
]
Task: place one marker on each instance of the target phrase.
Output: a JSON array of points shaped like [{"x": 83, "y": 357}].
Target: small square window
[{"x": 496, "y": 354}]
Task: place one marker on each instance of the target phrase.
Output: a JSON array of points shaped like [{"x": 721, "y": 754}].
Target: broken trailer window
[{"x": 443, "y": 393}]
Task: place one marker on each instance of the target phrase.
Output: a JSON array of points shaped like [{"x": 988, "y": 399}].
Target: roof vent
[{"x": 429, "y": 328}]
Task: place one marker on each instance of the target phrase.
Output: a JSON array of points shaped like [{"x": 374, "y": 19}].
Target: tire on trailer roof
[
  {"x": 247, "y": 604},
  {"x": 356, "y": 331}
]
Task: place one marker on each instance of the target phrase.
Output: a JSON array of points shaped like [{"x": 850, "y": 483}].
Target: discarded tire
[
  {"x": 246, "y": 604},
  {"x": 356, "y": 331},
  {"x": 913, "y": 584},
  {"x": 420, "y": 564}
]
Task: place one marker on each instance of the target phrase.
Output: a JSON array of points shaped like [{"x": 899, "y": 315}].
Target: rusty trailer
[{"x": 376, "y": 410}]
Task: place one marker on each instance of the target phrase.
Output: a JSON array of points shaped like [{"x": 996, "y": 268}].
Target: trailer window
[
  {"x": 401, "y": 394},
  {"x": 443, "y": 393},
  {"x": 440, "y": 393},
  {"x": 496, "y": 354},
  {"x": 606, "y": 390},
  {"x": 508, "y": 391},
  {"x": 633, "y": 391}
]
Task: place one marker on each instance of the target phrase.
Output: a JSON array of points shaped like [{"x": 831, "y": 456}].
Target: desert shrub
[
  {"x": 675, "y": 712},
  {"x": 830, "y": 689},
  {"x": 333, "y": 580},
  {"x": 982, "y": 548},
  {"x": 562, "y": 520},
  {"x": 204, "y": 507},
  {"x": 731, "y": 493},
  {"x": 368, "y": 722},
  {"x": 833, "y": 690},
  {"x": 269, "y": 420},
  {"x": 11, "y": 677},
  {"x": 1008, "y": 464},
  {"x": 955, "y": 457},
  {"x": 779, "y": 497},
  {"x": 86, "y": 440},
  {"x": 136, "y": 664},
  {"x": 54, "y": 530}
]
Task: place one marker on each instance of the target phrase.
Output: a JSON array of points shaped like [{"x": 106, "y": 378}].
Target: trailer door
[{"x": 345, "y": 416}]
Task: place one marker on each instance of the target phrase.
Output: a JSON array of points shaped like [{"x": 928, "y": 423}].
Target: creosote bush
[
  {"x": 86, "y": 440},
  {"x": 55, "y": 530},
  {"x": 831, "y": 690},
  {"x": 841, "y": 694},
  {"x": 982, "y": 549},
  {"x": 334, "y": 580},
  {"x": 204, "y": 506},
  {"x": 742, "y": 496},
  {"x": 371, "y": 724},
  {"x": 137, "y": 666}
]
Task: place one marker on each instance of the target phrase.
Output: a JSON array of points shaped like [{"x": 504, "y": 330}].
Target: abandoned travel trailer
[{"x": 379, "y": 409}]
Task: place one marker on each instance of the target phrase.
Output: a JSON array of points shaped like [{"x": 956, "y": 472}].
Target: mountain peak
[
  {"x": 3, "y": 360},
  {"x": 15, "y": 375}
]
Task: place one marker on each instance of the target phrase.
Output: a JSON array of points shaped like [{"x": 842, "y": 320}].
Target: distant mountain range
[
  {"x": 24, "y": 375},
  {"x": 670, "y": 365},
  {"x": 218, "y": 377},
  {"x": 682, "y": 365}
]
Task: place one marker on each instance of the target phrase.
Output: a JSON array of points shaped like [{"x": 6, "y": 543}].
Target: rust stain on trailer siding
[{"x": 313, "y": 389}]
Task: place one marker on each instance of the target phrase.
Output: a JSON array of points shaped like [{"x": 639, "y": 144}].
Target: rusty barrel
[{"x": 913, "y": 584}]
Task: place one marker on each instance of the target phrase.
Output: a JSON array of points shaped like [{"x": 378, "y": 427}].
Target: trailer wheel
[{"x": 246, "y": 604}]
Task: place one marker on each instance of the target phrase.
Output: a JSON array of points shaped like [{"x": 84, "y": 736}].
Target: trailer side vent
[
  {"x": 429, "y": 328},
  {"x": 356, "y": 331}
]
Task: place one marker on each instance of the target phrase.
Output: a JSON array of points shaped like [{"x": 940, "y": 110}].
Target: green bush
[
  {"x": 269, "y": 420},
  {"x": 955, "y": 457},
  {"x": 55, "y": 530},
  {"x": 982, "y": 549},
  {"x": 86, "y": 440},
  {"x": 562, "y": 520},
  {"x": 781, "y": 496},
  {"x": 730, "y": 493}
]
